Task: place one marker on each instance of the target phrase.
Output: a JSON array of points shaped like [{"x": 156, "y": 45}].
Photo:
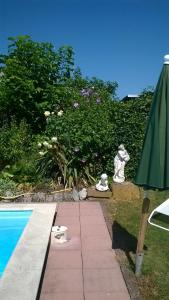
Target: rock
[
  {"x": 58, "y": 196},
  {"x": 27, "y": 198},
  {"x": 39, "y": 197},
  {"x": 83, "y": 194},
  {"x": 75, "y": 195},
  {"x": 49, "y": 198}
]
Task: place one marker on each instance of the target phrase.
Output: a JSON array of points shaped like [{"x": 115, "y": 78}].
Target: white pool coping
[{"x": 21, "y": 278}]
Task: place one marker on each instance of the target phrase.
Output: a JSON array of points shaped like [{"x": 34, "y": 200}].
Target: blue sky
[{"x": 116, "y": 40}]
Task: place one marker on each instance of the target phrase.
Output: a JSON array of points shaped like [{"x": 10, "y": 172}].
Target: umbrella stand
[{"x": 141, "y": 235}]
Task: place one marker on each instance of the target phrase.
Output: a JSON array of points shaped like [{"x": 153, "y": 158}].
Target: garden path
[{"x": 85, "y": 267}]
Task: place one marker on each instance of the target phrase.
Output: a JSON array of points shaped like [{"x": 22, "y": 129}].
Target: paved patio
[{"x": 85, "y": 268}]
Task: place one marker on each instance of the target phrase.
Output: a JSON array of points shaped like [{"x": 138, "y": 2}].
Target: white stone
[
  {"x": 83, "y": 194},
  {"x": 75, "y": 194}
]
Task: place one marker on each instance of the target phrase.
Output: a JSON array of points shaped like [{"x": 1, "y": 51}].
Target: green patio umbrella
[{"x": 153, "y": 170}]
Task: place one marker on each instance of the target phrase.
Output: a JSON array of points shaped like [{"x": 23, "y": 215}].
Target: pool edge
[{"x": 22, "y": 275}]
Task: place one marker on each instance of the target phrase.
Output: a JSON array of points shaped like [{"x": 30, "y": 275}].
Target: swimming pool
[{"x": 12, "y": 224}]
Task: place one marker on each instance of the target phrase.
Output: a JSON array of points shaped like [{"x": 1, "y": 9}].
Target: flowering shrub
[
  {"x": 91, "y": 134},
  {"x": 41, "y": 86},
  {"x": 56, "y": 161},
  {"x": 86, "y": 133}
]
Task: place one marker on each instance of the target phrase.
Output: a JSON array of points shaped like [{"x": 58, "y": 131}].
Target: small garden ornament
[
  {"x": 102, "y": 185},
  {"x": 120, "y": 161}
]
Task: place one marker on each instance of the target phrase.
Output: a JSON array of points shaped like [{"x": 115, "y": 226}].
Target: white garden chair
[{"x": 161, "y": 209}]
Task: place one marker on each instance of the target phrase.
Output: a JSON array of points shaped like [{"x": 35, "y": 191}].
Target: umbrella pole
[{"x": 141, "y": 235}]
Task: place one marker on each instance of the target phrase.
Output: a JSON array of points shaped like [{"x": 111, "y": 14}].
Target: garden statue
[
  {"x": 120, "y": 161},
  {"x": 102, "y": 185}
]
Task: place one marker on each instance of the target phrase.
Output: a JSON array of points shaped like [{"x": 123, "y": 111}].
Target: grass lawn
[{"x": 154, "y": 281}]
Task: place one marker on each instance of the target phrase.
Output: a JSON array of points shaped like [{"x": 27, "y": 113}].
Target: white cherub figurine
[
  {"x": 120, "y": 161},
  {"x": 102, "y": 185}
]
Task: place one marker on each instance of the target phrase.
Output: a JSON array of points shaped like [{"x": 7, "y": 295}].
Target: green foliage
[
  {"x": 24, "y": 170},
  {"x": 8, "y": 187},
  {"x": 31, "y": 74},
  {"x": 14, "y": 142},
  {"x": 57, "y": 162},
  {"x": 92, "y": 131},
  {"x": 130, "y": 121},
  {"x": 87, "y": 121},
  {"x": 86, "y": 131}
]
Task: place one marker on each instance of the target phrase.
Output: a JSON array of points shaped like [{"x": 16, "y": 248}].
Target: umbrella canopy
[{"x": 153, "y": 170}]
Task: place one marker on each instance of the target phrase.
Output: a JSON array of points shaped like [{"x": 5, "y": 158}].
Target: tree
[{"x": 32, "y": 73}]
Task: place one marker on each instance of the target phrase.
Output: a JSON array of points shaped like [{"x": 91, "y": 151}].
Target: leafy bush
[
  {"x": 91, "y": 129},
  {"x": 14, "y": 142},
  {"x": 86, "y": 131},
  {"x": 130, "y": 122},
  {"x": 89, "y": 125},
  {"x": 8, "y": 188}
]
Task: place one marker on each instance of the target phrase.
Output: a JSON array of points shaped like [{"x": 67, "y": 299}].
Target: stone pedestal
[
  {"x": 93, "y": 193},
  {"x": 125, "y": 191}
]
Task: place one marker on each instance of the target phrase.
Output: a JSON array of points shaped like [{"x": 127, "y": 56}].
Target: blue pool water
[{"x": 12, "y": 224}]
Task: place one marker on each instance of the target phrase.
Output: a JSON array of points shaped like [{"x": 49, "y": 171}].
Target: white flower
[
  {"x": 47, "y": 113},
  {"x": 41, "y": 153},
  {"x": 54, "y": 139},
  {"x": 49, "y": 146},
  {"x": 39, "y": 145},
  {"x": 46, "y": 144},
  {"x": 60, "y": 113},
  {"x": 52, "y": 113}
]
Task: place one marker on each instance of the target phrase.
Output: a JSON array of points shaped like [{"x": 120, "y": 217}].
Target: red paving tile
[
  {"x": 99, "y": 259},
  {"x": 107, "y": 296},
  {"x": 62, "y": 260},
  {"x": 103, "y": 280},
  {"x": 91, "y": 212},
  {"x": 68, "y": 212},
  {"x": 62, "y": 296},
  {"x": 85, "y": 267},
  {"x": 92, "y": 220},
  {"x": 73, "y": 244},
  {"x": 93, "y": 204},
  {"x": 96, "y": 243},
  {"x": 67, "y": 220},
  {"x": 94, "y": 230},
  {"x": 65, "y": 205},
  {"x": 63, "y": 281},
  {"x": 72, "y": 223}
]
